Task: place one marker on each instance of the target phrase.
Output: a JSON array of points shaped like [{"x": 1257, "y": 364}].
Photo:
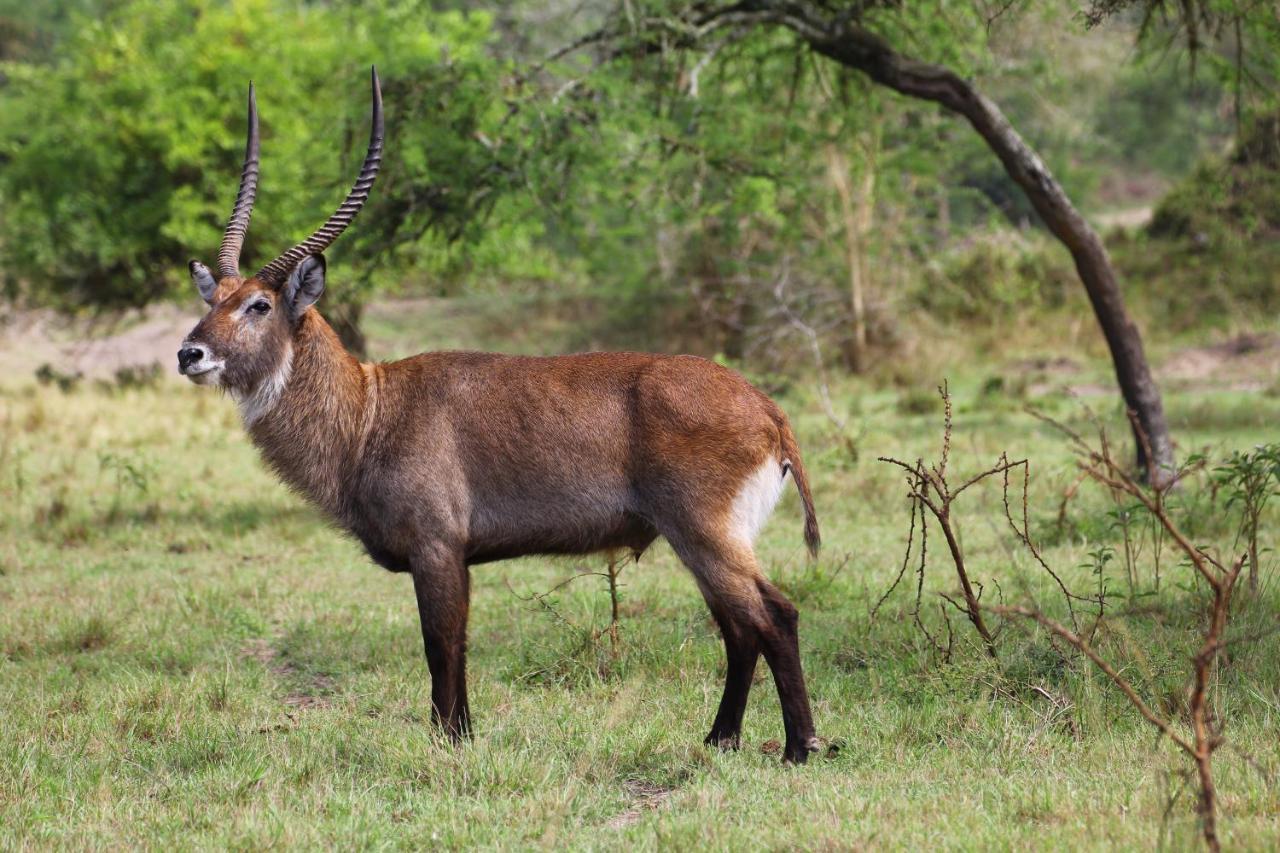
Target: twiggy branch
[
  {"x": 928, "y": 490},
  {"x": 1205, "y": 739},
  {"x": 1082, "y": 645},
  {"x": 1098, "y": 464},
  {"x": 824, "y": 391},
  {"x": 611, "y": 575},
  {"x": 1024, "y": 533},
  {"x": 906, "y": 558}
]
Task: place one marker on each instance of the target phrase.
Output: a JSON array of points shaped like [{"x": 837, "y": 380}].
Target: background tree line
[{"x": 731, "y": 195}]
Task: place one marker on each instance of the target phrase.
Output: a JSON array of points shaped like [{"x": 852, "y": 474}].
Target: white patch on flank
[
  {"x": 756, "y": 498},
  {"x": 264, "y": 398}
]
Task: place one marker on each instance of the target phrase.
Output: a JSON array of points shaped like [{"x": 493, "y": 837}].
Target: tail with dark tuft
[{"x": 791, "y": 459}]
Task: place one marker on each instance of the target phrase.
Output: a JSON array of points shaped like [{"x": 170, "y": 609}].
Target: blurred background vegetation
[
  {"x": 722, "y": 200},
  {"x": 194, "y": 655}
]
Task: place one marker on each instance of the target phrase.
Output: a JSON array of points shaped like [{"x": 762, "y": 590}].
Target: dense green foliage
[
  {"x": 1235, "y": 201},
  {"x": 121, "y": 151},
  {"x": 1211, "y": 254},
  {"x": 706, "y": 213},
  {"x": 687, "y": 201}
]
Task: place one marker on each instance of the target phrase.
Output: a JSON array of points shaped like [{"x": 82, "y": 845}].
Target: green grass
[{"x": 189, "y": 656}]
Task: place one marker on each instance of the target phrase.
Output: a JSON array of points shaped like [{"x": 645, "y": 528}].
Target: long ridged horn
[
  {"x": 278, "y": 270},
  {"x": 238, "y": 224}
]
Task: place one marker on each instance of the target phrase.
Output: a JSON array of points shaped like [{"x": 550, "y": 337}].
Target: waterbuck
[{"x": 449, "y": 459}]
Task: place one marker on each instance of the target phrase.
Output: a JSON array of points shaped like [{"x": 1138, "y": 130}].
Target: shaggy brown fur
[{"x": 445, "y": 460}]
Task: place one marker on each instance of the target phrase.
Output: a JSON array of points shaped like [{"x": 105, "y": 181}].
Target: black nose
[{"x": 188, "y": 356}]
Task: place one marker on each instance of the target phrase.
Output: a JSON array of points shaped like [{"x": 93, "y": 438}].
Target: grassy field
[{"x": 189, "y": 656}]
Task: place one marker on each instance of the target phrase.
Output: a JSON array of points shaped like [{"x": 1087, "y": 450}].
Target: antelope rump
[{"x": 449, "y": 459}]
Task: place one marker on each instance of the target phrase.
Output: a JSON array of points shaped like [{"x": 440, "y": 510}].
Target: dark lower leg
[
  {"x": 460, "y": 691},
  {"x": 448, "y": 688},
  {"x": 742, "y": 650},
  {"x": 442, "y": 607},
  {"x": 754, "y": 616},
  {"x": 781, "y": 644}
]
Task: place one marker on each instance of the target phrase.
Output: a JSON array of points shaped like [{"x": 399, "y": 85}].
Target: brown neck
[{"x": 313, "y": 430}]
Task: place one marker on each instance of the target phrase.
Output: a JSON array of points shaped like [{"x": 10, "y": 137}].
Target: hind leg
[
  {"x": 742, "y": 651},
  {"x": 781, "y": 642},
  {"x": 754, "y": 617}
]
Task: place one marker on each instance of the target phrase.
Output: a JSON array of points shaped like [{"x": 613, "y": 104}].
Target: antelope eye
[{"x": 262, "y": 306}]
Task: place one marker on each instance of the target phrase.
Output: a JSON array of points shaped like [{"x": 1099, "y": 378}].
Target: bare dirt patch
[
  {"x": 309, "y": 689},
  {"x": 645, "y": 796},
  {"x": 95, "y": 348},
  {"x": 1129, "y": 218},
  {"x": 1248, "y": 362},
  {"x": 1059, "y": 365}
]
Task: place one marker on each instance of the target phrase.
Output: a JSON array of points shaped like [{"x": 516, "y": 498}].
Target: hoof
[
  {"x": 795, "y": 754},
  {"x": 727, "y": 743}
]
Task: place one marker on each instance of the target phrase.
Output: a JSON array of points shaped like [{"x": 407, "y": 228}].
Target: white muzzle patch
[{"x": 206, "y": 371}]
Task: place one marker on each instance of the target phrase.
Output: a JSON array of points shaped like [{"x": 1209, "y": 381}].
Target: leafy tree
[
  {"x": 120, "y": 153},
  {"x": 1238, "y": 40},
  {"x": 715, "y": 194},
  {"x": 863, "y": 38}
]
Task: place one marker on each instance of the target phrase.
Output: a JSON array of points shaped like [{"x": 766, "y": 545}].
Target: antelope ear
[
  {"x": 204, "y": 280},
  {"x": 305, "y": 284}
]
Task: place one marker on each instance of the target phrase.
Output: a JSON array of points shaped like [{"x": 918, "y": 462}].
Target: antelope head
[{"x": 245, "y": 342}]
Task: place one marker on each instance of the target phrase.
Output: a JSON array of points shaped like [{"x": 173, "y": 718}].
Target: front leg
[{"x": 442, "y": 584}]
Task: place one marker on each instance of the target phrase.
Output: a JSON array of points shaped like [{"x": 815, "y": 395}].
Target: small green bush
[{"x": 1000, "y": 274}]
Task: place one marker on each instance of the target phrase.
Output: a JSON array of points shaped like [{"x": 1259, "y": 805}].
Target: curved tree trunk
[
  {"x": 859, "y": 49},
  {"x": 846, "y": 42}
]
